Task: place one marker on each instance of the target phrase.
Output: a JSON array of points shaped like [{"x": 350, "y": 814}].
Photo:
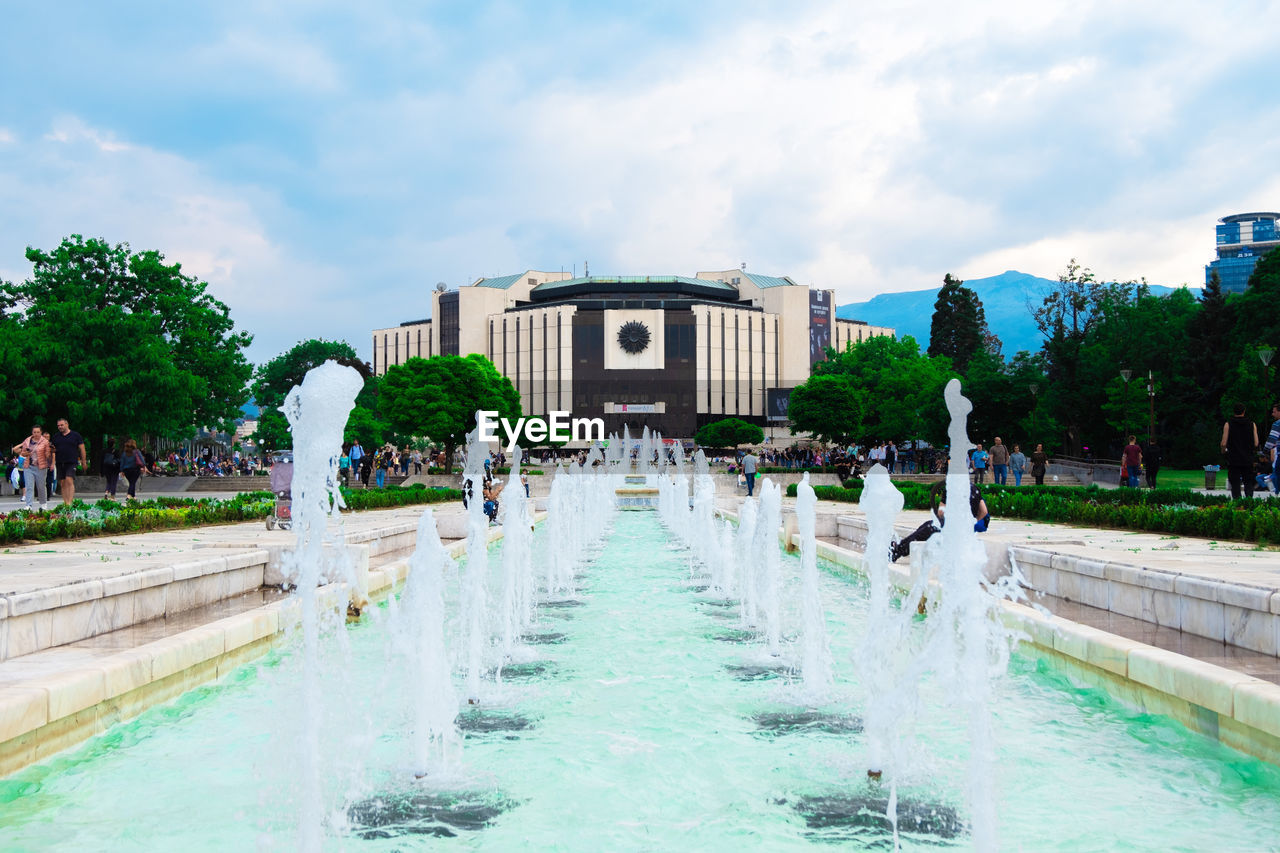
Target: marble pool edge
[
  {"x": 1237, "y": 710},
  {"x": 45, "y": 716}
]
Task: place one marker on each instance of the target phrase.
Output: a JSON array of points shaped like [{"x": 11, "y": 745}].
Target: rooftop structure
[
  {"x": 670, "y": 352},
  {"x": 1242, "y": 239}
]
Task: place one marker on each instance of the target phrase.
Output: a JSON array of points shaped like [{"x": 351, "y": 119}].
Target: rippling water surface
[{"x": 631, "y": 726}]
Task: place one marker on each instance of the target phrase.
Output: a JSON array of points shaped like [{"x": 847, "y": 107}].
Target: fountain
[
  {"x": 434, "y": 702},
  {"x": 815, "y": 655},
  {"x": 317, "y": 411},
  {"x": 475, "y": 596},
  {"x": 602, "y": 748}
]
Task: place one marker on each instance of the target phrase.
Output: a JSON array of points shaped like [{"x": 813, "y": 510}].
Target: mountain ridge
[{"x": 1007, "y": 300}]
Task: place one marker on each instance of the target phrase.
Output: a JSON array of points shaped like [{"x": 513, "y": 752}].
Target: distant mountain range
[{"x": 1007, "y": 300}]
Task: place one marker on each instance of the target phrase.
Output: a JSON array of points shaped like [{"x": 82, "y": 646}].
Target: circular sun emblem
[{"x": 633, "y": 337}]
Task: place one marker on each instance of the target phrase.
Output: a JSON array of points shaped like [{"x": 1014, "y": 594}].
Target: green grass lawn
[{"x": 1172, "y": 478}]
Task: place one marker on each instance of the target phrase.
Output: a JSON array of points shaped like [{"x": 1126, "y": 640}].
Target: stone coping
[
  {"x": 44, "y": 715},
  {"x": 1238, "y": 710}
]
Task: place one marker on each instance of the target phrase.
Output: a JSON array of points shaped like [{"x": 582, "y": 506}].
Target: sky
[{"x": 323, "y": 165}]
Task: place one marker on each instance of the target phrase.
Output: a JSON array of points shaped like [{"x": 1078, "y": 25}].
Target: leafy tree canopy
[
  {"x": 438, "y": 397},
  {"x": 120, "y": 343},
  {"x": 959, "y": 326},
  {"x": 729, "y": 432},
  {"x": 901, "y": 387},
  {"x": 273, "y": 381},
  {"x": 829, "y": 407}
]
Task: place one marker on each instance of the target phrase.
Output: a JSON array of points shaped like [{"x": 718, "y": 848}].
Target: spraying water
[
  {"x": 317, "y": 412},
  {"x": 887, "y": 698},
  {"x": 517, "y": 561},
  {"x": 435, "y": 705},
  {"x": 474, "y": 595},
  {"x": 770, "y": 520},
  {"x": 749, "y": 562},
  {"x": 815, "y": 651}
]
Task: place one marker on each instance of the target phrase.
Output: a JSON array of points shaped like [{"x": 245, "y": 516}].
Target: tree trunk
[{"x": 448, "y": 458}]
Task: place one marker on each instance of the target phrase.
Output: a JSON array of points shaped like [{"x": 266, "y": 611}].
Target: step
[{"x": 233, "y": 483}]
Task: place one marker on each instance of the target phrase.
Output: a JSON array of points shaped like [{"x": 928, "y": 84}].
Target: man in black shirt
[
  {"x": 1240, "y": 444},
  {"x": 68, "y": 452}
]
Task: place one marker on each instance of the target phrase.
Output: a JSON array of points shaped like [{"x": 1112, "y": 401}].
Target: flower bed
[
  {"x": 106, "y": 518},
  {"x": 1180, "y": 511}
]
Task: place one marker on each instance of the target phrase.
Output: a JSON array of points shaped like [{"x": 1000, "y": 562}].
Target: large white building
[{"x": 668, "y": 352}]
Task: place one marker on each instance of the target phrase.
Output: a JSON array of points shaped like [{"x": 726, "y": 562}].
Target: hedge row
[
  {"x": 418, "y": 493},
  {"x": 1180, "y": 511},
  {"x": 106, "y": 518}
]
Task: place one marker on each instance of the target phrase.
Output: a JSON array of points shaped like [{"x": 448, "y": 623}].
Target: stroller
[{"x": 282, "y": 486}]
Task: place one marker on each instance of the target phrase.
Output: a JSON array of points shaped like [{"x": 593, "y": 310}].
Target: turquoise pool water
[{"x": 638, "y": 736}]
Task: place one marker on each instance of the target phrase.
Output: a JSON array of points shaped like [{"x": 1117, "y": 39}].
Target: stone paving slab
[{"x": 27, "y": 568}]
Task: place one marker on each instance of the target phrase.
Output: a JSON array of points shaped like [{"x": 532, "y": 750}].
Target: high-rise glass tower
[{"x": 1242, "y": 240}]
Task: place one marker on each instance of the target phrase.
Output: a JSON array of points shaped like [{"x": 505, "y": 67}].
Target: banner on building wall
[
  {"x": 820, "y": 314},
  {"x": 777, "y": 401}
]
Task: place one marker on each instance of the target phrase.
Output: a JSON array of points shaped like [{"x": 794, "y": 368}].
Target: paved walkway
[
  {"x": 1239, "y": 562},
  {"x": 26, "y": 568}
]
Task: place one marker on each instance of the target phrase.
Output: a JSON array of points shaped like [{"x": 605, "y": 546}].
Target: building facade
[
  {"x": 668, "y": 352},
  {"x": 1242, "y": 240}
]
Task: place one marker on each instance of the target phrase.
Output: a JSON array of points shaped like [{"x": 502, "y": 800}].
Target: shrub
[{"x": 1180, "y": 511}]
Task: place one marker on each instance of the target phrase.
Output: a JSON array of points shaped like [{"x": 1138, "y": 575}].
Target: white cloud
[
  {"x": 79, "y": 179},
  {"x": 242, "y": 58},
  {"x": 865, "y": 148}
]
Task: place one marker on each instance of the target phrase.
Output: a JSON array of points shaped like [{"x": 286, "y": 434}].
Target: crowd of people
[{"x": 43, "y": 462}]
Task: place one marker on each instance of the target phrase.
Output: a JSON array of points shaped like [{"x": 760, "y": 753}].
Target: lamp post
[
  {"x": 1035, "y": 388},
  {"x": 1151, "y": 396},
  {"x": 1126, "y": 374},
  {"x": 1265, "y": 354}
]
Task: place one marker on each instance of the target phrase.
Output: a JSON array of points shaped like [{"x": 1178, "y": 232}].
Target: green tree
[
  {"x": 1065, "y": 319},
  {"x": 275, "y": 379},
  {"x": 729, "y": 432},
  {"x": 438, "y": 397},
  {"x": 122, "y": 343},
  {"x": 24, "y": 391},
  {"x": 959, "y": 327},
  {"x": 829, "y": 407},
  {"x": 901, "y": 387},
  {"x": 1255, "y": 324}
]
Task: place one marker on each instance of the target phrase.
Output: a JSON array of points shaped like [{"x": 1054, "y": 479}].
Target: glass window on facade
[{"x": 449, "y": 323}]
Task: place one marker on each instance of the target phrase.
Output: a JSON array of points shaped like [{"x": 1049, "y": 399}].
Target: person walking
[
  {"x": 999, "y": 463},
  {"x": 1272, "y": 447},
  {"x": 110, "y": 469},
  {"x": 386, "y": 458},
  {"x": 1151, "y": 458},
  {"x": 68, "y": 455},
  {"x": 132, "y": 464},
  {"x": 979, "y": 462},
  {"x": 357, "y": 455},
  {"x": 749, "y": 464},
  {"x": 1039, "y": 462},
  {"x": 1017, "y": 464},
  {"x": 1131, "y": 459},
  {"x": 38, "y": 455},
  {"x": 1240, "y": 444}
]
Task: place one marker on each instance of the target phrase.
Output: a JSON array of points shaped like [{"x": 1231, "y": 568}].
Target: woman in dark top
[
  {"x": 1039, "y": 460},
  {"x": 111, "y": 468},
  {"x": 132, "y": 465}
]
